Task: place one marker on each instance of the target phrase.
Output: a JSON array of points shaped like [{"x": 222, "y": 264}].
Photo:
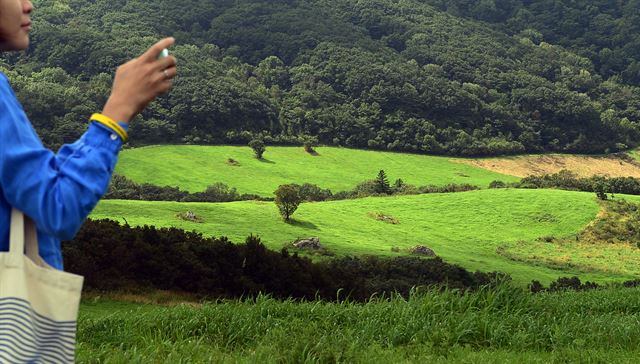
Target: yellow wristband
[{"x": 108, "y": 122}]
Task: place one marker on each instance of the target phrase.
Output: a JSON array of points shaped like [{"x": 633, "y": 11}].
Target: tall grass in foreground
[{"x": 504, "y": 324}]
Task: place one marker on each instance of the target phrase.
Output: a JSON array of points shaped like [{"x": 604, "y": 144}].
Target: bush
[
  {"x": 567, "y": 180},
  {"x": 123, "y": 188},
  {"x": 217, "y": 192},
  {"x": 365, "y": 189},
  {"x": 149, "y": 192},
  {"x": 450, "y": 188},
  {"x": 497, "y": 184},
  {"x": 573, "y": 283},
  {"x": 536, "y": 286},
  {"x": 311, "y": 192}
]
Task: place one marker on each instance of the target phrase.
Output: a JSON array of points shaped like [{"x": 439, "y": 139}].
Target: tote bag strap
[{"x": 23, "y": 231}]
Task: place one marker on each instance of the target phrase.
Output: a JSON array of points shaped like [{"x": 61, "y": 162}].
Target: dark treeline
[
  {"x": 123, "y": 188},
  {"x": 568, "y": 180},
  {"x": 115, "y": 257},
  {"x": 377, "y": 74}
]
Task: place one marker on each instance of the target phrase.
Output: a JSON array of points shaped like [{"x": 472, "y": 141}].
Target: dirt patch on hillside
[{"x": 616, "y": 165}]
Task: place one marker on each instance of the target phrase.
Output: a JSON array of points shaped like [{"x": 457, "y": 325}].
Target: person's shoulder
[
  {"x": 6, "y": 93},
  {"x": 4, "y": 83}
]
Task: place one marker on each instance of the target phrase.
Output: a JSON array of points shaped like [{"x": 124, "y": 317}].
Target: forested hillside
[
  {"x": 605, "y": 31},
  {"x": 399, "y": 75}
]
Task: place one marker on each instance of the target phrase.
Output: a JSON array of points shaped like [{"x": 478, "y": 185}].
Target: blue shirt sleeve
[{"x": 57, "y": 191}]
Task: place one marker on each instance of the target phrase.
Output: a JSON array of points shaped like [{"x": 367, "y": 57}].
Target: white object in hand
[{"x": 164, "y": 54}]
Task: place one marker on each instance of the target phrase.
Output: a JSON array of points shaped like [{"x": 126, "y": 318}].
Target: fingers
[
  {"x": 152, "y": 53},
  {"x": 166, "y": 75},
  {"x": 166, "y": 82},
  {"x": 170, "y": 73},
  {"x": 165, "y": 63}
]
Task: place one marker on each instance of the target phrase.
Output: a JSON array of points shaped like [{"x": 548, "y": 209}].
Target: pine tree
[{"x": 382, "y": 183}]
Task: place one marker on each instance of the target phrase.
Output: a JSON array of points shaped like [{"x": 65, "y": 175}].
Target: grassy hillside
[
  {"x": 193, "y": 168},
  {"x": 493, "y": 326},
  {"x": 464, "y": 228}
]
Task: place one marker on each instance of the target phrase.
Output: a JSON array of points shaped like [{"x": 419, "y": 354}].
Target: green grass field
[
  {"x": 193, "y": 168},
  {"x": 464, "y": 228},
  {"x": 502, "y": 325},
  {"x": 635, "y": 154}
]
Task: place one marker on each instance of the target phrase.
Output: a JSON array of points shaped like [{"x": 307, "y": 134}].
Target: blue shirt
[{"x": 57, "y": 191}]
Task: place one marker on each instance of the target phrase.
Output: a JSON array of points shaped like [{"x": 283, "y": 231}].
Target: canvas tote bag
[{"x": 38, "y": 304}]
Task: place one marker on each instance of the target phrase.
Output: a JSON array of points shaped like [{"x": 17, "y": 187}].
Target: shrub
[
  {"x": 536, "y": 286},
  {"x": 311, "y": 192},
  {"x": 569, "y": 181},
  {"x": 573, "y": 283},
  {"x": 122, "y": 188},
  {"x": 217, "y": 192},
  {"x": 450, "y": 188},
  {"x": 149, "y": 192},
  {"x": 497, "y": 184},
  {"x": 364, "y": 189}
]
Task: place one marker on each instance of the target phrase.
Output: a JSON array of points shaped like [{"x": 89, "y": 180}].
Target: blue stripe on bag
[
  {"x": 34, "y": 320},
  {"x": 30, "y": 337},
  {"x": 20, "y": 300}
]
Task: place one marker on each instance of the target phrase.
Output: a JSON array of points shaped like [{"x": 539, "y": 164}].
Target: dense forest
[
  {"x": 607, "y": 32},
  {"x": 461, "y": 77}
]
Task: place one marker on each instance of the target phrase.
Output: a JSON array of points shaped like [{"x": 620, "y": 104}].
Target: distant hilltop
[{"x": 463, "y": 78}]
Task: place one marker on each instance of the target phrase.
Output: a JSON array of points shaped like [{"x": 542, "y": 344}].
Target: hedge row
[{"x": 115, "y": 257}]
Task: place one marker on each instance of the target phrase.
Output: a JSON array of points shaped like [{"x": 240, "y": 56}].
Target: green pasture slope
[
  {"x": 463, "y": 228},
  {"x": 193, "y": 168}
]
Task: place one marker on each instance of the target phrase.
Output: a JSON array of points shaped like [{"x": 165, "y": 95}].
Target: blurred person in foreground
[{"x": 58, "y": 191}]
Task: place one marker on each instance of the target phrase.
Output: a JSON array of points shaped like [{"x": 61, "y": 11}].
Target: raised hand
[{"x": 140, "y": 81}]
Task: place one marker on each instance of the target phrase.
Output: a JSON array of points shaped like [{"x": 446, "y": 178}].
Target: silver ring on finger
[{"x": 166, "y": 74}]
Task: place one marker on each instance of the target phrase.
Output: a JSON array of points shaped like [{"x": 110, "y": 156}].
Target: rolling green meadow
[
  {"x": 464, "y": 228},
  {"x": 193, "y": 168},
  {"x": 502, "y": 230}
]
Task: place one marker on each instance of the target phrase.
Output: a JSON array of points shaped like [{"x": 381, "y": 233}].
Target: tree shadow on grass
[
  {"x": 263, "y": 160},
  {"x": 303, "y": 224}
]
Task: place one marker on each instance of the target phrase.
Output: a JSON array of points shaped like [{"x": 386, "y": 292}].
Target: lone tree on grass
[
  {"x": 288, "y": 199},
  {"x": 310, "y": 143},
  {"x": 382, "y": 183},
  {"x": 258, "y": 147}
]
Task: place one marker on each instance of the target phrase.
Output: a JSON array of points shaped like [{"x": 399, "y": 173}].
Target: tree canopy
[{"x": 461, "y": 77}]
